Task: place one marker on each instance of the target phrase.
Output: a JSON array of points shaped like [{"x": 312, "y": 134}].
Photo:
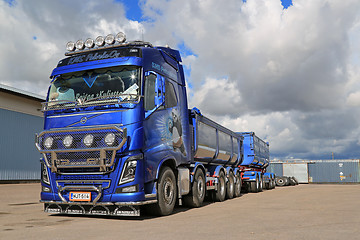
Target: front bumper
[{"x": 124, "y": 208}]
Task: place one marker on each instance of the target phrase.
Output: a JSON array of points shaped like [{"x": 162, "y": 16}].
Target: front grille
[{"x": 77, "y": 157}]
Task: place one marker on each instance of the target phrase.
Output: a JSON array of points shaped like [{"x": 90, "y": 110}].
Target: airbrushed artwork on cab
[{"x": 169, "y": 129}]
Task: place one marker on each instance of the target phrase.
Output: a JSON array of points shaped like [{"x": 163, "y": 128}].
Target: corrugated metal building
[
  {"x": 20, "y": 119},
  {"x": 319, "y": 171}
]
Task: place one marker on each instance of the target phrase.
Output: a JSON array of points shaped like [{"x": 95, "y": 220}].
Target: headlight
[
  {"x": 48, "y": 142},
  {"x": 120, "y": 37},
  {"x": 44, "y": 174},
  {"x": 99, "y": 41},
  {"x": 128, "y": 173},
  {"x": 80, "y": 45},
  {"x": 70, "y": 46},
  {"x": 109, "y": 139},
  {"x": 88, "y": 140},
  {"x": 68, "y": 140},
  {"x": 110, "y": 39},
  {"x": 89, "y": 43}
]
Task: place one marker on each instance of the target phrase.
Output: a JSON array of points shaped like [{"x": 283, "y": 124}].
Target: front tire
[
  {"x": 166, "y": 193},
  {"x": 198, "y": 190}
]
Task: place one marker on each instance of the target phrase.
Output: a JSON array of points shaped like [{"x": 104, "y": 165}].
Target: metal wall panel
[
  {"x": 19, "y": 159},
  {"x": 276, "y": 168},
  {"x": 337, "y": 171}
]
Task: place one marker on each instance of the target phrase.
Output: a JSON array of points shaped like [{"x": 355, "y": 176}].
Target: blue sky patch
[{"x": 11, "y": 3}]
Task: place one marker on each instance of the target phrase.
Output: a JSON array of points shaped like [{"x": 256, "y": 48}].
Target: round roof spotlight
[
  {"x": 100, "y": 41},
  {"x": 120, "y": 37},
  {"x": 80, "y": 45},
  {"x": 110, "y": 39},
  {"x": 89, "y": 43},
  {"x": 70, "y": 46}
]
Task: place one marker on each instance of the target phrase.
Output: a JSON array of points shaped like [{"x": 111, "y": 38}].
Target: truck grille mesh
[{"x": 77, "y": 157}]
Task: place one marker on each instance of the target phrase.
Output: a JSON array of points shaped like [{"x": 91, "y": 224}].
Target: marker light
[
  {"x": 99, "y": 41},
  {"x": 68, "y": 140},
  {"x": 70, "y": 46},
  {"x": 109, "y": 139},
  {"x": 80, "y": 45},
  {"x": 89, "y": 43},
  {"x": 88, "y": 140},
  {"x": 120, "y": 37},
  {"x": 110, "y": 39}
]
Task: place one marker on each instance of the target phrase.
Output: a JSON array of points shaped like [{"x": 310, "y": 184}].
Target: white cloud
[{"x": 292, "y": 75}]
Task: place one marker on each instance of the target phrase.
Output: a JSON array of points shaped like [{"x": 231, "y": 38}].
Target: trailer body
[{"x": 256, "y": 160}]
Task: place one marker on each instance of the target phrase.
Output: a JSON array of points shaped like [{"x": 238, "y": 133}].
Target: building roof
[{"x": 21, "y": 93}]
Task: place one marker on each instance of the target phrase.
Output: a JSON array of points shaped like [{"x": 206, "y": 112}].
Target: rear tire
[
  {"x": 261, "y": 184},
  {"x": 254, "y": 186},
  {"x": 219, "y": 194},
  {"x": 238, "y": 186},
  {"x": 166, "y": 194},
  {"x": 230, "y": 188},
  {"x": 198, "y": 190}
]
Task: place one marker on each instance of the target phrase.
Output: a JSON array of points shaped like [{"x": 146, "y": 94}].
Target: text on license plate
[{"x": 80, "y": 196}]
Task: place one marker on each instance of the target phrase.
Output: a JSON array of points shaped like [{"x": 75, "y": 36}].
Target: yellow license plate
[{"x": 80, "y": 196}]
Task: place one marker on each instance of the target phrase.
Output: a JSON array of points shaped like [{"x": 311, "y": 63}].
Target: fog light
[
  {"x": 88, "y": 140},
  {"x": 109, "y": 139},
  {"x": 68, "y": 140},
  {"x": 48, "y": 142}
]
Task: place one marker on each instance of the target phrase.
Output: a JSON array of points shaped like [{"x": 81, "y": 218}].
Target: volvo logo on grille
[{"x": 83, "y": 120}]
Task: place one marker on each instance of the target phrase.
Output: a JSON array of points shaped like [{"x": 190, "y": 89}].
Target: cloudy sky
[{"x": 290, "y": 71}]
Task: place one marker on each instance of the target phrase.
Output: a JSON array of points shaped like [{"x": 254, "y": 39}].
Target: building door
[{"x": 298, "y": 170}]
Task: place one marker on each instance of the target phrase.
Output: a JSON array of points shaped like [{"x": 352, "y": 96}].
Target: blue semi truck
[{"x": 119, "y": 137}]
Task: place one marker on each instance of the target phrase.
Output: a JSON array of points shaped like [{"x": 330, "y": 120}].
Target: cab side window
[
  {"x": 170, "y": 95},
  {"x": 150, "y": 92}
]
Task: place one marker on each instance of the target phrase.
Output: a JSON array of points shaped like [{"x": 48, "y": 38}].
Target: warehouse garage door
[{"x": 298, "y": 170}]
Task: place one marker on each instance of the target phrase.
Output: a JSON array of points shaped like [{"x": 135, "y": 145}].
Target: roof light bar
[{"x": 99, "y": 42}]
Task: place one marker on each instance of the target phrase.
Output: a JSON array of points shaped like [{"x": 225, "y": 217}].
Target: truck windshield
[{"x": 116, "y": 85}]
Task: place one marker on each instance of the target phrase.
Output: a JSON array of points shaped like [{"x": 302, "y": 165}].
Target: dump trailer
[
  {"x": 119, "y": 138},
  {"x": 256, "y": 160}
]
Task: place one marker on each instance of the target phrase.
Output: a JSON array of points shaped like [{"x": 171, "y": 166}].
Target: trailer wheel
[
  {"x": 230, "y": 188},
  {"x": 280, "y": 181},
  {"x": 254, "y": 186},
  {"x": 219, "y": 194},
  {"x": 273, "y": 183},
  {"x": 238, "y": 186},
  {"x": 198, "y": 190},
  {"x": 261, "y": 184},
  {"x": 166, "y": 193}
]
